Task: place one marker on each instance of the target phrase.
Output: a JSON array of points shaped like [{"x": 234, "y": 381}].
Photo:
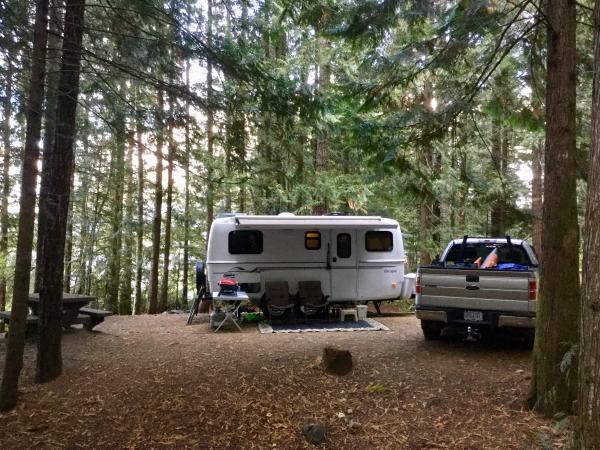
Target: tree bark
[
  {"x": 68, "y": 249},
  {"x": 49, "y": 358},
  {"x": 164, "y": 287},
  {"x": 186, "y": 212},
  {"x": 496, "y": 225},
  {"x": 463, "y": 191},
  {"x": 210, "y": 120},
  {"x": 554, "y": 381},
  {"x": 537, "y": 166},
  {"x": 84, "y": 234},
  {"x": 6, "y": 161},
  {"x": 156, "y": 221},
  {"x": 116, "y": 237},
  {"x": 430, "y": 209},
  {"x": 322, "y": 156},
  {"x": 125, "y": 300},
  {"x": 589, "y": 350},
  {"x": 139, "y": 253},
  {"x": 53, "y": 56},
  {"x": 16, "y": 334}
]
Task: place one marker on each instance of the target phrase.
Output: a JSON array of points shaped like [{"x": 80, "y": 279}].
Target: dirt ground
[{"x": 153, "y": 382}]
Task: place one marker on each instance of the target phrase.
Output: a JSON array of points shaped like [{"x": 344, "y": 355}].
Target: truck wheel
[
  {"x": 528, "y": 339},
  {"x": 432, "y": 330}
]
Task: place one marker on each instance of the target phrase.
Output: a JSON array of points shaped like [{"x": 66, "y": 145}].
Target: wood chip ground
[{"x": 153, "y": 382}]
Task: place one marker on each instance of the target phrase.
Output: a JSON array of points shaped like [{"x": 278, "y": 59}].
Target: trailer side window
[
  {"x": 379, "y": 241},
  {"x": 245, "y": 242},
  {"x": 312, "y": 240},
  {"x": 344, "y": 245}
]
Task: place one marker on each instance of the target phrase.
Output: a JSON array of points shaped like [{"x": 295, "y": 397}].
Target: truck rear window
[
  {"x": 468, "y": 254},
  {"x": 245, "y": 242}
]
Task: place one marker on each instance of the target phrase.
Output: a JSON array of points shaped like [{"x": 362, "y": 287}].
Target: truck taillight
[
  {"x": 418, "y": 284},
  {"x": 532, "y": 289}
]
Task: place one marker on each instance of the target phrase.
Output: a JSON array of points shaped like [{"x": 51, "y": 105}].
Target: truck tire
[
  {"x": 528, "y": 338},
  {"x": 432, "y": 330}
]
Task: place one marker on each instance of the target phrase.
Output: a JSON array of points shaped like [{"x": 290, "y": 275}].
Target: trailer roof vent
[{"x": 286, "y": 214}]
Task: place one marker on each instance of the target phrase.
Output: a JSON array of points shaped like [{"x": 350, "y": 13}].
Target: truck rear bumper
[
  {"x": 516, "y": 321},
  {"x": 436, "y": 316},
  {"x": 490, "y": 319}
]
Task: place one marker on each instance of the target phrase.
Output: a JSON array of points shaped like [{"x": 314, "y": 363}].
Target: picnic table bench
[
  {"x": 90, "y": 317},
  {"x": 31, "y": 324}
]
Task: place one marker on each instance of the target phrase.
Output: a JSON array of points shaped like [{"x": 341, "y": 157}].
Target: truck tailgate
[{"x": 480, "y": 289}]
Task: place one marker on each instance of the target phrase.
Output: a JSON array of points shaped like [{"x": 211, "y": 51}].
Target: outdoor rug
[{"x": 361, "y": 325}]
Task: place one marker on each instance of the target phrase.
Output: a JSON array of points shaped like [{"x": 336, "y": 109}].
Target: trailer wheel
[
  {"x": 200, "y": 276},
  {"x": 432, "y": 330}
]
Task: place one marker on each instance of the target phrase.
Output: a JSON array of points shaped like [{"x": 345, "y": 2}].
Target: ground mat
[{"x": 361, "y": 325}]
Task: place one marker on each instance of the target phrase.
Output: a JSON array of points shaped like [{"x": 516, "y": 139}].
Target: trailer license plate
[{"x": 473, "y": 316}]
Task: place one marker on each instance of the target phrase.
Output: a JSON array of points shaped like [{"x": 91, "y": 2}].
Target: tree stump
[
  {"x": 314, "y": 432},
  {"x": 337, "y": 362}
]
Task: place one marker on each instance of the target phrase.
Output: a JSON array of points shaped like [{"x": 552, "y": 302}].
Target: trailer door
[{"x": 343, "y": 265}]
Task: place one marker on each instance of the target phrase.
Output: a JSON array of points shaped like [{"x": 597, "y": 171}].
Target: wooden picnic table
[
  {"x": 71, "y": 304},
  {"x": 70, "y": 301},
  {"x": 73, "y": 308}
]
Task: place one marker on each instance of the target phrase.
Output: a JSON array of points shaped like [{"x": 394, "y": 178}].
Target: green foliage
[{"x": 408, "y": 115}]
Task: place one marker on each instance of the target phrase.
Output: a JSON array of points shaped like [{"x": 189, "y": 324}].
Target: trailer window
[
  {"x": 379, "y": 241},
  {"x": 344, "y": 245},
  {"x": 312, "y": 240},
  {"x": 245, "y": 242}
]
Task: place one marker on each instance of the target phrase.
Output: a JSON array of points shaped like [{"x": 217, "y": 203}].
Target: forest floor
[{"x": 153, "y": 382}]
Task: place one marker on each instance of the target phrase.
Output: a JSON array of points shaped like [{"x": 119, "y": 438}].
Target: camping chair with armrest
[
  {"x": 277, "y": 301},
  {"x": 311, "y": 299}
]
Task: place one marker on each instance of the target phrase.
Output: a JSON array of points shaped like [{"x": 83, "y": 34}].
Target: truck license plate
[{"x": 473, "y": 316}]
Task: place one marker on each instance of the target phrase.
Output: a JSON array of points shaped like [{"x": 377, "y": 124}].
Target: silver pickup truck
[{"x": 456, "y": 291}]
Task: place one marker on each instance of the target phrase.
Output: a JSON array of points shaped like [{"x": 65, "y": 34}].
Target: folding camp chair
[
  {"x": 311, "y": 299},
  {"x": 276, "y": 300}
]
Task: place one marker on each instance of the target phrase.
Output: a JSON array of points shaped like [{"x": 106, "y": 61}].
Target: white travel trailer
[{"x": 355, "y": 258}]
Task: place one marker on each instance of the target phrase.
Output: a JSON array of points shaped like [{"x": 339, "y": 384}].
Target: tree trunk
[
  {"x": 84, "y": 227},
  {"x": 430, "y": 209},
  {"x": 186, "y": 212},
  {"x": 16, "y": 333},
  {"x": 100, "y": 200},
  {"x": 49, "y": 358},
  {"x": 554, "y": 382},
  {"x": 589, "y": 350},
  {"x": 139, "y": 253},
  {"x": 116, "y": 237},
  {"x": 125, "y": 300},
  {"x": 6, "y": 160},
  {"x": 156, "y": 221},
  {"x": 210, "y": 120},
  {"x": 497, "y": 212},
  {"x": 537, "y": 166},
  {"x": 463, "y": 192},
  {"x": 164, "y": 287},
  {"x": 425, "y": 226},
  {"x": 68, "y": 249},
  {"x": 53, "y": 78},
  {"x": 322, "y": 140}
]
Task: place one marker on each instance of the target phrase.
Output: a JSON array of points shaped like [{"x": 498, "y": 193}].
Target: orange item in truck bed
[{"x": 491, "y": 260}]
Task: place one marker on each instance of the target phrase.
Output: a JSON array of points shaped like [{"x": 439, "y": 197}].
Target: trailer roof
[{"x": 290, "y": 221}]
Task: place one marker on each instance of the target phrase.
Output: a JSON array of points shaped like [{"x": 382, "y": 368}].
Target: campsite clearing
[{"x": 153, "y": 382}]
